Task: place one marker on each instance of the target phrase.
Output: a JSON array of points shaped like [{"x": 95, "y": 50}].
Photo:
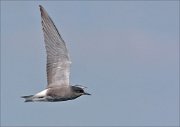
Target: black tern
[{"x": 57, "y": 67}]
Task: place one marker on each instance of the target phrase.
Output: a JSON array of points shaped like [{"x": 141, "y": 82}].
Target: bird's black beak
[{"x": 86, "y": 93}]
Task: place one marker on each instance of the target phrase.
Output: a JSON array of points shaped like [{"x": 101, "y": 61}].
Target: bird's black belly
[{"x": 56, "y": 99}]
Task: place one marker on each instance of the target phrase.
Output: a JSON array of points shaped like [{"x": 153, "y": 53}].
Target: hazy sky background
[{"x": 126, "y": 53}]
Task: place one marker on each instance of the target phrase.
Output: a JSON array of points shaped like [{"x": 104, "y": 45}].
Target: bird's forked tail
[{"x": 28, "y": 98}]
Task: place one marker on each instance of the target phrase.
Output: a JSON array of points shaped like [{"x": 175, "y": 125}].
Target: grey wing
[{"x": 58, "y": 63}]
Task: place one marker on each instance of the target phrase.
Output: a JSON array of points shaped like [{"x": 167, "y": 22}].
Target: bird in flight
[{"x": 57, "y": 67}]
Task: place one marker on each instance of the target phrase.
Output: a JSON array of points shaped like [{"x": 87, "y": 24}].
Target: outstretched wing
[{"x": 58, "y": 63}]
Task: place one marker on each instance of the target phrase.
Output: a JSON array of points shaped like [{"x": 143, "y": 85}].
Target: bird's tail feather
[{"x": 28, "y": 98}]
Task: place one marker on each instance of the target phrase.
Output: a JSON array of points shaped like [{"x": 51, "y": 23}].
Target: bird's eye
[{"x": 80, "y": 91}]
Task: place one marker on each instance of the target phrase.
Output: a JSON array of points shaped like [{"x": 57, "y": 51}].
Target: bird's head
[{"x": 79, "y": 90}]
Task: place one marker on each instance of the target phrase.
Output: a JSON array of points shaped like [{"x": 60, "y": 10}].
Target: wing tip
[
  {"x": 40, "y": 6},
  {"x": 42, "y": 10}
]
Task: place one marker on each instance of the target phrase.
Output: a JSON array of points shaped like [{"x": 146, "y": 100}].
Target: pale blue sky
[{"x": 126, "y": 53}]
